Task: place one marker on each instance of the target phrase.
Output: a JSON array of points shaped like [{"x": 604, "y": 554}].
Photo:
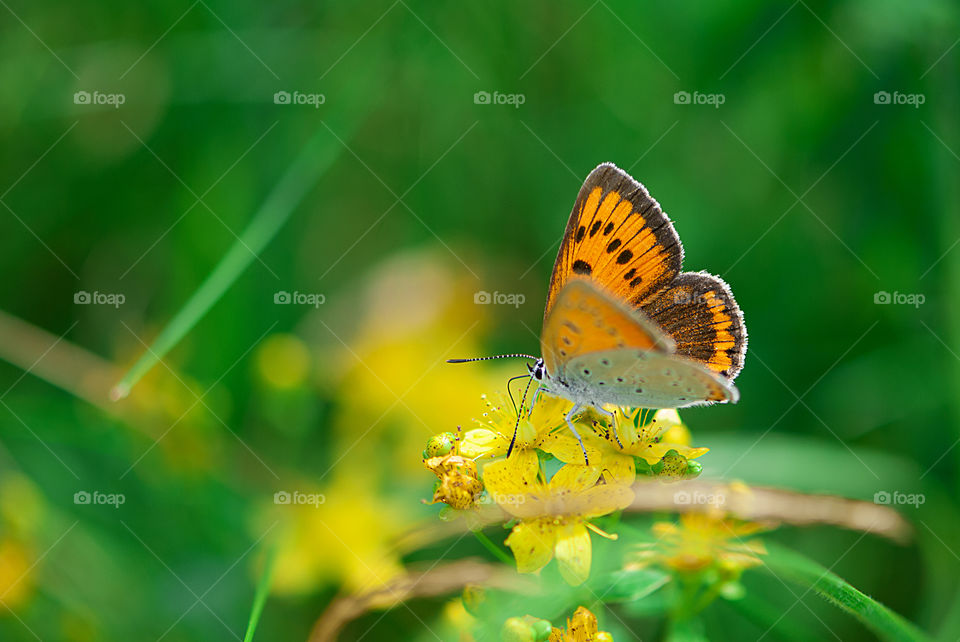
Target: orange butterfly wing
[
  {"x": 617, "y": 235},
  {"x": 587, "y": 320},
  {"x": 699, "y": 312},
  {"x": 620, "y": 239}
]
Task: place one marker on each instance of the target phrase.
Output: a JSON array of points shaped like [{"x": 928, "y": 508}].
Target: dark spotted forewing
[{"x": 619, "y": 238}]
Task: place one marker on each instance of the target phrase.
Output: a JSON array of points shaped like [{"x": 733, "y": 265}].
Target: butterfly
[{"x": 623, "y": 325}]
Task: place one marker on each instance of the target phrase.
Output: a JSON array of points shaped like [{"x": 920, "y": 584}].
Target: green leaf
[{"x": 794, "y": 567}]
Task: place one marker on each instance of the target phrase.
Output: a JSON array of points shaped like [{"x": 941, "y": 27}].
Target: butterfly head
[{"x": 538, "y": 370}]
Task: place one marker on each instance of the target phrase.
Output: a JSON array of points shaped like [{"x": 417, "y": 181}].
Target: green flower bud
[
  {"x": 516, "y": 630},
  {"x": 440, "y": 445}
]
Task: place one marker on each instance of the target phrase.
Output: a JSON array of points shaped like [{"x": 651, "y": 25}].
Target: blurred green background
[{"x": 808, "y": 191}]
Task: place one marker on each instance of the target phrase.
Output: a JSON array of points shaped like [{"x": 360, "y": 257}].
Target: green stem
[
  {"x": 493, "y": 548},
  {"x": 260, "y": 597}
]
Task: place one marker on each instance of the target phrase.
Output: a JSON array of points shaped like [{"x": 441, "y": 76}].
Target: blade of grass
[
  {"x": 313, "y": 161},
  {"x": 810, "y": 575},
  {"x": 260, "y": 597}
]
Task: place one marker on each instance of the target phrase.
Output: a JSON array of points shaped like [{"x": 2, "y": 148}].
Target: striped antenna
[
  {"x": 499, "y": 356},
  {"x": 513, "y": 440}
]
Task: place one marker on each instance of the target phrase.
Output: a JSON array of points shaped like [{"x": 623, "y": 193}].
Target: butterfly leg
[
  {"x": 573, "y": 411},
  {"x": 613, "y": 423},
  {"x": 536, "y": 395}
]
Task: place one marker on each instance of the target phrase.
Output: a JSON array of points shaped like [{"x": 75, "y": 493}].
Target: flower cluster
[{"x": 550, "y": 486}]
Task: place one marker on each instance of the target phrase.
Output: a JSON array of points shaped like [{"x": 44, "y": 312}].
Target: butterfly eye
[{"x": 538, "y": 370}]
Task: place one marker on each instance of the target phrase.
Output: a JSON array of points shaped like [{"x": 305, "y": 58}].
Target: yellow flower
[
  {"x": 553, "y": 516},
  {"x": 582, "y": 627},
  {"x": 702, "y": 540},
  {"x": 630, "y": 437},
  {"x": 542, "y": 426},
  {"x": 459, "y": 482}
]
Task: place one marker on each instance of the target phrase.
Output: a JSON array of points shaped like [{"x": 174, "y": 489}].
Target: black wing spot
[
  {"x": 594, "y": 228},
  {"x": 614, "y": 244},
  {"x": 624, "y": 257},
  {"x": 580, "y": 232},
  {"x": 619, "y": 379},
  {"x": 582, "y": 267},
  {"x": 605, "y": 362},
  {"x": 608, "y": 229},
  {"x": 635, "y": 282},
  {"x": 586, "y": 372},
  {"x": 629, "y": 274}
]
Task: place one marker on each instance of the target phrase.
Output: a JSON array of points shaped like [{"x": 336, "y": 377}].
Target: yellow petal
[
  {"x": 602, "y": 499},
  {"x": 515, "y": 475},
  {"x": 481, "y": 442},
  {"x": 574, "y": 478},
  {"x": 574, "y": 552},
  {"x": 567, "y": 449},
  {"x": 532, "y": 544},
  {"x": 619, "y": 469}
]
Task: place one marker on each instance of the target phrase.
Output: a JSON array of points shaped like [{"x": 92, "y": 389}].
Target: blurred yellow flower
[
  {"x": 541, "y": 427},
  {"x": 344, "y": 538},
  {"x": 15, "y": 565},
  {"x": 703, "y": 540},
  {"x": 582, "y": 627},
  {"x": 629, "y": 437},
  {"x": 22, "y": 512},
  {"x": 283, "y": 361},
  {"x": 553, "y": 514}
]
